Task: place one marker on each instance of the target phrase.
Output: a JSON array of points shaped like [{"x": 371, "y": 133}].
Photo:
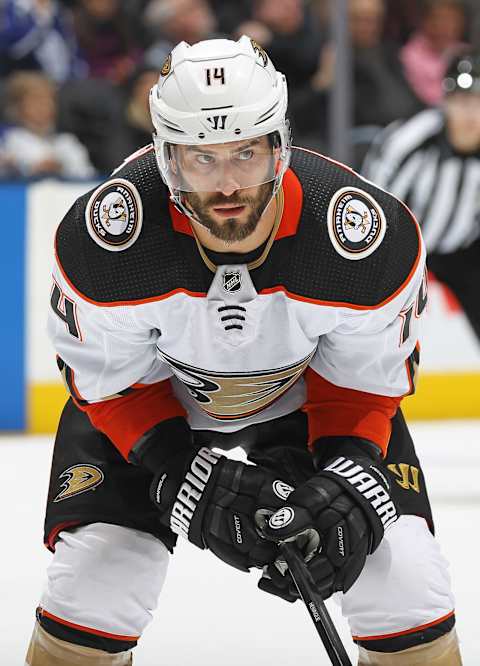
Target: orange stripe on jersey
[
  {"x": 328, "y": 159},
  {"x": 88, "y": 630},
  {"x": 336, "y": 411},
  {"x": 337, "y": 304},
  {"x": 420, "y": 627},
  {"x": 125, "y": 419}
]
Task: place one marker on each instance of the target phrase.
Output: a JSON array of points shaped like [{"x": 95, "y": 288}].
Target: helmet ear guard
[{"x": 218, "y": 92}]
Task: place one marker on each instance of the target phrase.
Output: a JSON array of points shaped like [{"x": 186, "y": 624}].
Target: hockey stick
[{"x": 314, "y": 604}]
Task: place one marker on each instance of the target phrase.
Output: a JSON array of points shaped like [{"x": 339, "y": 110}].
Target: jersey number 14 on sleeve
[
  {"x": 417, "y": 307},
  {"x": 66, "y": 310}
]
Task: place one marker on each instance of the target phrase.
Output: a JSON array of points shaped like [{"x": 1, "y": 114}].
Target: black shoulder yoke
[
  {"x": 308, "y": 265},
  {"x": 316, "y": 268},
  {"x": 155, "y": 264}
]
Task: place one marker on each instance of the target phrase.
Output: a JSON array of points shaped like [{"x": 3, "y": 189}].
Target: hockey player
[{"x": 260, "y": 295}]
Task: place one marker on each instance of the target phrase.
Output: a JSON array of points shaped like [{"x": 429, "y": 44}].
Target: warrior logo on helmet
[
  {"x": 114, "y": 215},
  {"x": 356, "y": 223}
]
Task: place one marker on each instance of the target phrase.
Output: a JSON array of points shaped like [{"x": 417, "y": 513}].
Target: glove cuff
[
  {"x": 180, "y": 487},
  {"x": 364, "y": 479},
  {"x": 190, "y": 500},
  {"x": 164, "y": 441},
  {"x": 326, "y": 448}
]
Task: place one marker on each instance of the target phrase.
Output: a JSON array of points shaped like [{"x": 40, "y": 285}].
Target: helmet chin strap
[{"x": 183, "y": 208}]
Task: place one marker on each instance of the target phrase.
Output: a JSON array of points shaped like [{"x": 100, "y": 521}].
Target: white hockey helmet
[{"x": 220, "y": 91}]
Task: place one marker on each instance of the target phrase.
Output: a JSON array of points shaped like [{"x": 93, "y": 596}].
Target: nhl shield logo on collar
[{"x": 232, "y": 281}]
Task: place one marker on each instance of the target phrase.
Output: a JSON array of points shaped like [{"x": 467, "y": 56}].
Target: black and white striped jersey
[{"x": 415, "y": 162}]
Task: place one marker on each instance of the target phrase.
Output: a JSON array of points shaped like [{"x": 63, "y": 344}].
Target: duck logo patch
[
  {"x": 356, "y": 223},
  {"x": 79, "y": 479},
  {"x": 235, "y": 395},
  {"x": 114, "y": 215}
]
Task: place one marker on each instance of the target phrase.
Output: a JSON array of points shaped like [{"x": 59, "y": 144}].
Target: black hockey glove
[
  {"x": 337, "y": 517},
  {"x": 214, "y": 502}
]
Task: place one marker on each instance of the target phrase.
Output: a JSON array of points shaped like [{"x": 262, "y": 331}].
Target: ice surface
[{"x": 210, "y": 614}]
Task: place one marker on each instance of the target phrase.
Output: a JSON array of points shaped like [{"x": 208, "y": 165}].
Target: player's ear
[
  {"x": 172, "y": 158},
  {"x": 274, "y": 141}
]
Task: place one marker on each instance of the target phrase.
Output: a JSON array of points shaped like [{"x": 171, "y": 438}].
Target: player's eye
[
  {"x": 205, "y": 158},
  {"x": 245, "y": 155}
]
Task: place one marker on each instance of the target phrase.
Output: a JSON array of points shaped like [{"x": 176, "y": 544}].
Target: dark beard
[{"x": 230, "y": 231}]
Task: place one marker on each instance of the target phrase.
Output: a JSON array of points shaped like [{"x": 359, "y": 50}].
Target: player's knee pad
[
  {"x": 46, "y": 650},
  {"x": 102, "y": 586},
  {"x": 443, "y": 651},
  {"x": 403, "y": 597}
]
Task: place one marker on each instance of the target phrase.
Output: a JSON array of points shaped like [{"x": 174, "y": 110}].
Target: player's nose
[
  {"x": 227, "y": 183},
  {"x": 227, "y": 189}
]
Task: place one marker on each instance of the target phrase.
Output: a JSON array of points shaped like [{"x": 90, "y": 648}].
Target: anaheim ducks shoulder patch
[
  {"x": 114, "y": 215},
  {"x": 356, "y": 223},
  {"x": 79, "y": 479}
]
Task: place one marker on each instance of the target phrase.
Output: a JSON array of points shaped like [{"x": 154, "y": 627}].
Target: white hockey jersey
[{"x": 326, "y": 319}]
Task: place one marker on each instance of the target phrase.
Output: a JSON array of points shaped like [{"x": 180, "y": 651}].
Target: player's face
[
  {"x": 230, "y": 218},
  {"x": 463, "y": 121},
  {"x": 228, "y": 186}
]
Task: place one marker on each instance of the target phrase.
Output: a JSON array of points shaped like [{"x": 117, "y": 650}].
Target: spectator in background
[
  {"x": 473, "y": 28},
  {"x": 230, "y": 13},
  {"x": 171, "y": 21},
  {"x": 432, "y": 162},
  {"x": 425, "y": 56},
  {"x": 380, "y": 92},
  {"x": 92, "y": 110},
  {"x": 31, "y": 147},
  {"x": 402, "y": 18},
  {"x": 38, "y": 35},
  {"x": 287, "y": 31},
  {"x": 137, "y": 128},
  {"x": 109, "y": 39}
]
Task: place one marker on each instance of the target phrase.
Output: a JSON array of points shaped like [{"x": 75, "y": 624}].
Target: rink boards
[{"x": 32, "y": 394}]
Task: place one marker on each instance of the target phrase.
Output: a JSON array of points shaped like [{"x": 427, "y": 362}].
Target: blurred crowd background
[{"x": 75, "y": 74}]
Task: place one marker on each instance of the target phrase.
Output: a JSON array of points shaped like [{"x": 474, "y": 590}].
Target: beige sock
[
  {"x": 46, "y": 650},
  {"x": 442, "y": 652}
]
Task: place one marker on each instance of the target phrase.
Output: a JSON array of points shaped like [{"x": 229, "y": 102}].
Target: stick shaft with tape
[{"x": 315, "y": 606}]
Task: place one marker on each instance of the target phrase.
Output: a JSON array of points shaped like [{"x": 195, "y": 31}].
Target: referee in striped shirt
[{"x": 432, "y": 162}]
